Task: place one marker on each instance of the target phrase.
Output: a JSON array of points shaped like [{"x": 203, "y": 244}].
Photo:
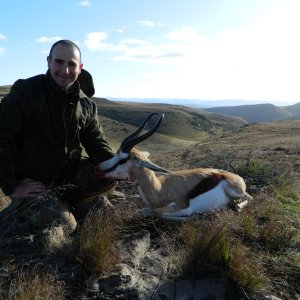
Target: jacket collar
[{"x": 55, "y": 90}]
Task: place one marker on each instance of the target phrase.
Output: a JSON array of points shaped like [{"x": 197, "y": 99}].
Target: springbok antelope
[{"x": 174, "y": 195}]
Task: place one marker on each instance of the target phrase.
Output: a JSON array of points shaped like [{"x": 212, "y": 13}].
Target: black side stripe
[{"x": 205, "y": 185}]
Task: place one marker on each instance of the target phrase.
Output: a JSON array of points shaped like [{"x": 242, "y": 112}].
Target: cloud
[
  {"x": 85, "y": 3},
  {"x": 2, "y": 37},
  {"x": 96, "y": 41},
  {"x": 134, "y": 41},
  {"x": 145, "y": 23},
  {"x": 2, "y": 51},
  {"x": 151, "y": 53},
  {"x": 120, "y": 30},
  {"x": 45, "y": 39},
  {"x": 134, "y": 49},
  {"x": 258, "y": 61},
  {"x": 186, "y": 35},
  {"x": 176, "y": 45}
]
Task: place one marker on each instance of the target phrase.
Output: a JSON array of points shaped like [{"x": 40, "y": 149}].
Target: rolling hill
[
  {"x": 180, "y": 122},
  {"x": 259, "y": 112}
]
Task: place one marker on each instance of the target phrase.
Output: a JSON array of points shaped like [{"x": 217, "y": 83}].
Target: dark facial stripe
[
  {"x": 205, "y": 185},
  {"x": 120, "y": 162}
]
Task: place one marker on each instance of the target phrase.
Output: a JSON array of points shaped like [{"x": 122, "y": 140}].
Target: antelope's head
[{"x": 121, "y": 164}]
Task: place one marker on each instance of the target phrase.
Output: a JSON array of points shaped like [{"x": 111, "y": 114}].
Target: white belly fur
[{"x": 214, "y": 199}]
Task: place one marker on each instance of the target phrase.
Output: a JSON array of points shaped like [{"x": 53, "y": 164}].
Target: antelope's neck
[{"x": 149, "y": 185}]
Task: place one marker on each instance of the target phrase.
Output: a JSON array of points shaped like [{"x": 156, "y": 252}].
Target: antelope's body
[{"x": 179, "y": 194}]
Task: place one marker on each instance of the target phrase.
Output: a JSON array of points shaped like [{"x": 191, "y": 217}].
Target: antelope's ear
[{"x": 151, "y": 166}]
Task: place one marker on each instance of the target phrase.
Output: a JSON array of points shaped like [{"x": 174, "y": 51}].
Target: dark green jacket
[{"x": 43, "y": 129}]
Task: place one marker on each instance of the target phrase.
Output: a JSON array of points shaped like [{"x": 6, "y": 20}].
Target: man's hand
[{"x": 28, "y": 188}]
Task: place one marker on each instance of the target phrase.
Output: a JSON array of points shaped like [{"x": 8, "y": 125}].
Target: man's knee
[
  {"x": 58, "y": 215},
  {"x": 46, "y": 212}
]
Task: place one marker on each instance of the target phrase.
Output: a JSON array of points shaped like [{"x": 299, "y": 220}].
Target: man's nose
[{"x": 65, "y": 69}]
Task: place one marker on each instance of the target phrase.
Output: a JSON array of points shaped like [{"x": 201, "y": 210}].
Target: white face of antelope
[
  {"x": 116, "y": 167},
  {"x": 120, "y": 164},
  {"x": 123, "y": 165}
]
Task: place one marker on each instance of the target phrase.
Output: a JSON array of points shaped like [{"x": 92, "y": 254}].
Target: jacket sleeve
[
  {"x": 93, "y": 137},
  {"x": 12, "y": 119}
]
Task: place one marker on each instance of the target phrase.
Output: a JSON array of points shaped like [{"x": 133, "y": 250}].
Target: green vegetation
[
  {"x": 211, "y": 249},
  {"x": 98, "y": 236},
  {"x": 180, "y": 122}
]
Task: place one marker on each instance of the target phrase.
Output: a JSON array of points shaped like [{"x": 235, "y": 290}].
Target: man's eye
[
  {"x": 71, "y": 64},
  {"x": 58, "y": 61}
]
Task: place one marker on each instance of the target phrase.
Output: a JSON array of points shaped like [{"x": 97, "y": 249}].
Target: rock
[
  {"x": 184, "y": 290},
  {"x": 116, "y": 194},
  {"x": 200, "y": 289},
  {"x": 209, "y": 289},
  {"x": 271, "y": 297},
  {"x": 133, "y": 247},
  {"x": 142, "y": 269}
]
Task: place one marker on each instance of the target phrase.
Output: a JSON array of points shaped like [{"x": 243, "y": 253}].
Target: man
[{"x": 45, "y": 121}]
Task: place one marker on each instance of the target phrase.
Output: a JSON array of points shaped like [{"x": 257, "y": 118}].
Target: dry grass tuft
[
  {"x": 210, "y": 248},
  {"x": 58, "y": 240},
  {"x": 34, "y": 285},
  {"x": 98, "y": 240}
]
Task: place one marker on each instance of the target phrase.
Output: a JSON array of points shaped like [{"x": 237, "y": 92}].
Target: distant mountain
[
  {"x": 199, "y": 103},
  {"x": 202, "y": 115},
  {"x": 259, "y": 112},
  {"x": 294, "y": 109}
]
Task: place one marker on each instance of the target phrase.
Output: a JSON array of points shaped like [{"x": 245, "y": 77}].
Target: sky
[{"x": 191, "y": 49}]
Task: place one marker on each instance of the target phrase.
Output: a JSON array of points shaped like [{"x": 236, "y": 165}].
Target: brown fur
[{"x": 180, "y": 186}]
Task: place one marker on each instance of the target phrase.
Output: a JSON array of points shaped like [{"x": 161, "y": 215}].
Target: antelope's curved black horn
[
  {"x": 136, "y": 137},
  {"x": 139, "y": 130}
]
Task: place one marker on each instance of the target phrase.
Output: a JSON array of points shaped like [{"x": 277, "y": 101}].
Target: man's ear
[
  {"x": 80, "y": 67},
  {"x": 48, "y": 61}
]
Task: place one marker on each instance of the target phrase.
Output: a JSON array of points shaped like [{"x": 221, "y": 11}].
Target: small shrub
[
  {"x": 258, "y": 173},
  {"x": 245, "y": 269},
  {"x": 211, "y": 249},
  {"x": 57, "y": 240},
  {"x": 36, "y": 285},
  {"x": 98, "y": 249},
  {"x": 268, "y": 225}
]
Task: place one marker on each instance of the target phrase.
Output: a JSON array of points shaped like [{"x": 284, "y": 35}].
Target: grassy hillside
[
  {"x": 259, "y": 112},
  {"x": 4, "y": 90},
  {"x": 277, "y": 143},
  {"x": 255, "y": 251},
  {"x": 180, "y": 126}
]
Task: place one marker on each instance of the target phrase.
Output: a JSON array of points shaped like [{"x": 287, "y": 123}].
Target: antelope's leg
[{"x": 182, "y": 213}]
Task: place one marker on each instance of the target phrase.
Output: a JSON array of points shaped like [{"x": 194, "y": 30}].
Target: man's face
[{"x": 64, "y": 65}]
